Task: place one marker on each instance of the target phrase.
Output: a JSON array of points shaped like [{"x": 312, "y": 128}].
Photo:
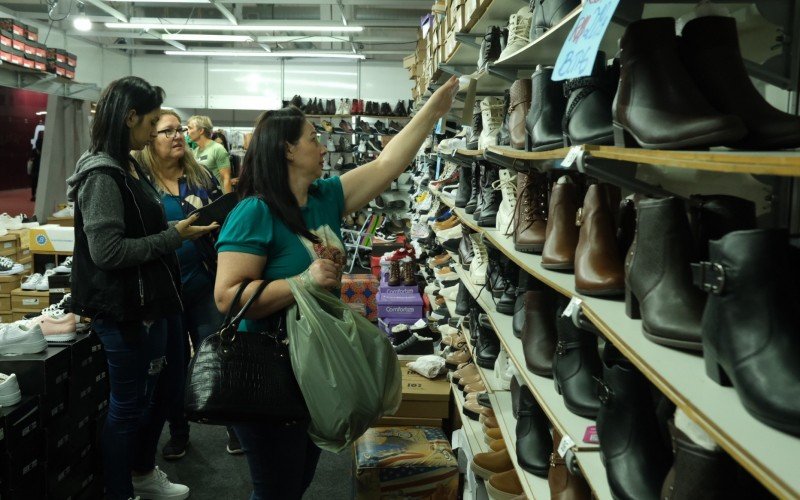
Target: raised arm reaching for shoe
[{"x": 364, "y": 183}]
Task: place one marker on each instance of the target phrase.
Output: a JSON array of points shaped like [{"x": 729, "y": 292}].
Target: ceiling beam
[
  {"x": 108, "y": 10},
  {"x": 225, "y": 12}
]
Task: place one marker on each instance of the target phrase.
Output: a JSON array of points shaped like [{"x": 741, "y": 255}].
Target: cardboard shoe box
[
  {"x": 362, "y": 290},
  {"x": 9, "y": 245},
  {"x": 52, "y": 238},
  {"x": 45, "y": 374},
  {"x": 25, "y": 301},
  {"x": 21, "y": 450},
  {"x": 405, "y": 462},
  {"x": 9, "y": 283},
  {"x": 423, "y": 397}
]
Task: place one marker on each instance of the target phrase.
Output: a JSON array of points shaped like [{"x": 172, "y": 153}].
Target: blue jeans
[
  {"x": 200, "y": 319},
  {"x": 136, "y": 358},
  {"x": 282, "y": 459}
]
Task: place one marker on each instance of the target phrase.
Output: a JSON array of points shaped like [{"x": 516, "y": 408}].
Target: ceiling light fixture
[
  {"x": 253, "y": 53},
  {"x": 229, "y": 27},
  {"x": 82, "y": 23},
  {"x": 160, "y": 1},
  {"x": 185, "y": 37}
]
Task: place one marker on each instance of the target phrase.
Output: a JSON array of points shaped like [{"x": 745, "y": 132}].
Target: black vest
[{"x": 148, "y": 291}]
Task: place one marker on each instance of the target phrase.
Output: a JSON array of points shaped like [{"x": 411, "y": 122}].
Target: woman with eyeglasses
[
  {"x": 125, "y": 276},
  {"x": 184, "y": 186}
]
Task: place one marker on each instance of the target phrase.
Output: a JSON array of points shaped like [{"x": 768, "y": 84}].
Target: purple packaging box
[
  {"x": 387, "y": 290},
  {"x": 400, "y": 306}
]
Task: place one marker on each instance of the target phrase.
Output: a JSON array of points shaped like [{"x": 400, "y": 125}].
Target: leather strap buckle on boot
[
  {"x": 604, "y": 392},
  {"x": 563, "y": 347},
  {"x": 709, "y": 277}
]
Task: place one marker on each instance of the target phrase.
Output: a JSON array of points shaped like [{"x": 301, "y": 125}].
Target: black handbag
[{"x": 244, "y": 376}]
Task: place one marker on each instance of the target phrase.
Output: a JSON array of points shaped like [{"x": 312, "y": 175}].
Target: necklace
[{"x": 165, "y": 186}]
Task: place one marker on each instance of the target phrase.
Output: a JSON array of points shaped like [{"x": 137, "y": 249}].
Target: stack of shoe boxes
[
  {"x": 27, "y": 301},
  {"x": 7, "y": 285},
  {"x": 70, "y": 381},
  {"x": 22, "y": 469},
  {"x": 24, "y": 255},
  {"x": 399, "y": 304}
]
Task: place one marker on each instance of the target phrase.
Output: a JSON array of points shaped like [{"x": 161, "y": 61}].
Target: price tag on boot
[
  {"x": 577, "y": 55},
  {"x": 565, "y": 444}
]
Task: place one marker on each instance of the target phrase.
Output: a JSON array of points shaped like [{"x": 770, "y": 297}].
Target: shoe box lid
[
  {"x": 9, "y": 283},
  {"x": 20, "y": 426},
  {"x": 9, "y": 245},
  {"x": 45, "y": 374},
  {"x": 29, "y": 300}
]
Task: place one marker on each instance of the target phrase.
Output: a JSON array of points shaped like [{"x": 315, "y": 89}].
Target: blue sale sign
[{"x": 580, "y": 49}]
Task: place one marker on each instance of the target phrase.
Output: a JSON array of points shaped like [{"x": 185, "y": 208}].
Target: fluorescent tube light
[
  {"x": 230, "y": 27},
  {"x": 160, "y": 1},
  {"x": 253, "y": 53},
  {"x": 185, "y": 37}
]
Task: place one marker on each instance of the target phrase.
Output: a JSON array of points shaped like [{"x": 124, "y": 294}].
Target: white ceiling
[{"x": 390, "y": 26}]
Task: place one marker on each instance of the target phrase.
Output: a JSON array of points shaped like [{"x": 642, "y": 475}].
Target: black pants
[{"x": 34, "y": 181}]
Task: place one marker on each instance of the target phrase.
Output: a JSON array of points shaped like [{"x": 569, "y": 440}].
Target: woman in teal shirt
[{"x": 287, "y": 223}]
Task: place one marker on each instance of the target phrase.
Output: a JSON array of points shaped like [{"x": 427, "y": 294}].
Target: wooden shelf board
[
  {"x": 595, "y": 473},
  {"x": 765, "y": 452},
  {"x": 518, "y": 154},
  {"x": 491, "y": 13},
  {"x": 545, "y": 49},
  {"x": 535, "y": 487}
]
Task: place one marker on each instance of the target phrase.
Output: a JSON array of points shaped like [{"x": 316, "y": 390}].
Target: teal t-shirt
[
  {"x": 251, "y": 228},
  {"x": 213, "y": 157}
]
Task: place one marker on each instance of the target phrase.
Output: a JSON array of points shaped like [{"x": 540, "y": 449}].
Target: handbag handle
[{"x": 235, "y": 321}]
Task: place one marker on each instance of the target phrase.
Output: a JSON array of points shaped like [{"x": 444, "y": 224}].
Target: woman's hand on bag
[
  {"x": 190, "y": 232},
  {"x": 325, "y": 273}
]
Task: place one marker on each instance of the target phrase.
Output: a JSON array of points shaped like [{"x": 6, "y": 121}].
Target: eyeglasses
[{"x": 169, "y": 133}]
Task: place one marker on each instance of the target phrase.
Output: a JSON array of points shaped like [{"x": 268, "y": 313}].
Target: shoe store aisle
[
  {"x": 214, "y": 474},
  {"x": 16, "y": 201}
]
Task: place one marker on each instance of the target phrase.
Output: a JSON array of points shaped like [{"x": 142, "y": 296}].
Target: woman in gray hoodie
[{"x": 125, "y": 276}]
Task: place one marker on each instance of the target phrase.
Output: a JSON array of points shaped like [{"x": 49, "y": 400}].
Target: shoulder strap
[{"x": 238, "y": 318}]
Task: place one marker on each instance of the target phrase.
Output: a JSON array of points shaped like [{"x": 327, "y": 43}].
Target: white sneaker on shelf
[
  {"x": 8, "y": 222},
  {"x": 507, "y": 185},
  {"x": 31, "y": 282},
  {"x": 65, "y": 267},
  {"x": 44, "y": 284},
  {"x": 480, "y": 260},
  {"x": 492, "y": 116},
  {"x": 450, "y": 233},
  {"x": 68, "y": 211},
  {"x": 501, "y": 371},
  {"x": 156, "y": 486},
  {"x": 20, "y": 338},
  {"x": 9, "y": 390},
  {"x": 9, "y": 267},
  {"x": 519, "y": 27},
  {"x": 449, "y": 293}
]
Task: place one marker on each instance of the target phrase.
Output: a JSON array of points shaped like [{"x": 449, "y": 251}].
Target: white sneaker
[
  {"x": 66, "y": 266},
  {"x": 492, "y": 116},
  {"x": 9, "y": 267},
  {"x": 507, "y": 185},
  {"x": 450, "y": 233},
  {"x": 9, "y": 390},
  {"x": 501, "y": 370},
  {"x": 480, "y": 261},
  {"x": 68, "y": 211},
  {"x": 156, "y": 486},
  {"x": 8, "y": 222},
  {"x": 19, "y": 338},
  {"x": 44, "y": 284},
  {"x": 31, "y": 282},
  {"x": 519, "y": 27},
  {"x": 450, "y": 292}
]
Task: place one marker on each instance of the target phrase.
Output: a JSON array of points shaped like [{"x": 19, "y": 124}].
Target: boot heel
[
  {"x": 622, "y": 138},
  {"x": 632, "y": 305},
  {"x": 715, "y": 371}
]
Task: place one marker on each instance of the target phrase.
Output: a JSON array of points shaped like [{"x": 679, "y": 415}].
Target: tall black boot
[
  {"x": 575, "y": 366},
  {"x": 659, "y": 277},
  {"x": 631, "y": 447},
  {"x": 489, "y": 196},
  {"x": 548, "y": 105},
  {"x": 750, "y": 324},
  {"x": 488, "y": 346},
  {"x": 534, "y": 441},
  {"x": 505, "y": 305},
  {"x": 587, "y": 119},
  {"x": 463, "y": 300},
  {"x": 464, "y": 192},
  {"x": 475, "y": 132},
  {"x": 523, "y": 282}
]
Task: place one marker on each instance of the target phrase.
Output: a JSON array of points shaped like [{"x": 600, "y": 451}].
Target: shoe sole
[
  {"x": 62, "y": 337},
  {"x": 11, "y": 398},
  {"x": 24, "y": 348},
  {"x": 174, "y": 456},
  {"x": 611, "y": 292},
  {"x": 235, "y": 452},
  {"x": 481, "y": 472},
  {"x": 146, "y": 496},
  {"x": 496, "y": 494}
]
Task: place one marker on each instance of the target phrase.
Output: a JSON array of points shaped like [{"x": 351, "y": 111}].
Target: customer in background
[
  {"x": 125, "y": 277},
  {"x": 35, "y": 164},
  {"x": 219, "y": 137},
  {"x": 184, "y": 186},
  {"x": 209, "y": 153},
  {"x": 288, "y": 223}
]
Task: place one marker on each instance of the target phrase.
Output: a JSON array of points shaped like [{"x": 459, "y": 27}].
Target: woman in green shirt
[{"x": 288, "y": 223}]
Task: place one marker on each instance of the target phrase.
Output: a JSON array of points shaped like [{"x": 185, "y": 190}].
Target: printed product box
[
  {"x": 29, "y": 301},
  {"x": 361, "y": 289},
  {"x": 387, "y": 290},
  {"x": 46, "y": 374},
  {"x": 400, "y": 306},
  {"x": 405, "y": 462},
  {"x": 9, "y": 245},
  {"x": 5, "y": 303},
  {"x": 51, "y": 238}
]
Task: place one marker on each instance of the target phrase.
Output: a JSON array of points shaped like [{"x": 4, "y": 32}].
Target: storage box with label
[
  {"x": 423, "y": 397},
  {"x": 400, "y": 306},
  {"x": 388, "y": 290},
  {"x": 9, "y": 283},
  {"x": 52, "y": 238},
  {"x": 361, "y": 289},
  {"x": 24, "y": 301},
  {"x": 9, "y": 245},
  {"x": 405, "y": 462}
]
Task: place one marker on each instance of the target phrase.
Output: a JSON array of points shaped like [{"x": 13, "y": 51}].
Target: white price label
[
  {"x": 574, "y": 151},
  {"x": 573, "y": 307},
  {"x": 578, "y": 53},
  {"x": 565, "y": 444}
]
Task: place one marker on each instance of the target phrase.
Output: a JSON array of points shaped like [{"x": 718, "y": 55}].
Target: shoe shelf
[
  {"x": 543, "y": 50},
  {"x": 535, "y": 487},
  {"x": 487, "y": 374},
  {"x": 473, "y": 430},
  {"x": 766, "y": 453},
  {"x": 491, "y": 13},
  {"x": 470, "y": 153},
  {"x": 543, "y": 389},
  {"x": 594, "y": 472}
]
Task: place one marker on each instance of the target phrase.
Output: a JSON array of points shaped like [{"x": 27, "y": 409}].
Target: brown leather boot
[
  {"x": 520, "y": 103},
  {"x": 531, "y": 212},
  {"x": 409, "y": 278},
  {"x": 539, "y": 331},
  {"x": 504, "y": 485},
  {"x": 394, "y": 273},
  {"x": 598, "y": 267},
  {"x": 489, "y": 463},
  {"x": 561, "y": 236},
  {"x": 563, "y": 485}
]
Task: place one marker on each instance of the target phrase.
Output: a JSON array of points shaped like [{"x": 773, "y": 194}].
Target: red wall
[{"x": 17, "y": 121}]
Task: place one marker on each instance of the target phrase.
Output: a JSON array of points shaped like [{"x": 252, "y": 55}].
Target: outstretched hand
[{"x": 442, "y": 100}]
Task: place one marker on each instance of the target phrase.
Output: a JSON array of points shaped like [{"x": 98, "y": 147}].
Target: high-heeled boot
[
  {"x": 530, "y": 213},
  {"x": 539, "y": 331},
  {"x": 575, "y": 366},
  {"x": 630, "y": 445},
  {"x": 658, "y": 276},
  {"x": 533, "y": 435},
  {"x": 561, "y": 234},
  {"x": 598, "y": 266},
  {"x": 750, "y": 323},
  {"x": 464, "y": 192}
]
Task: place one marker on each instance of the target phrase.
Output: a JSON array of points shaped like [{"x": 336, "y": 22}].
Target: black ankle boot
[
  {"x": 488, "y": 346},
  {"x": 636, "y": 460},
  {"x": 506, "y": 303},
  {"x": 464, "y": 192},
  {"x": 475, "y": 189},
  {"x": 588, "y": 116},
  {"x": 750, "y": 323},
  {"x": 534, "y": 441},
  {"x": 519, "y": 303},
  {"x": 539, "y": 330},
  {"x": 490, "y": 198},
  {"x": 475, "y": 132},
  {"x": 575, "y": 366},
  {"x": 658, "y": 276},
  {"x": 548, "y": 105},
  {"x": 463, "y": 299}
]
